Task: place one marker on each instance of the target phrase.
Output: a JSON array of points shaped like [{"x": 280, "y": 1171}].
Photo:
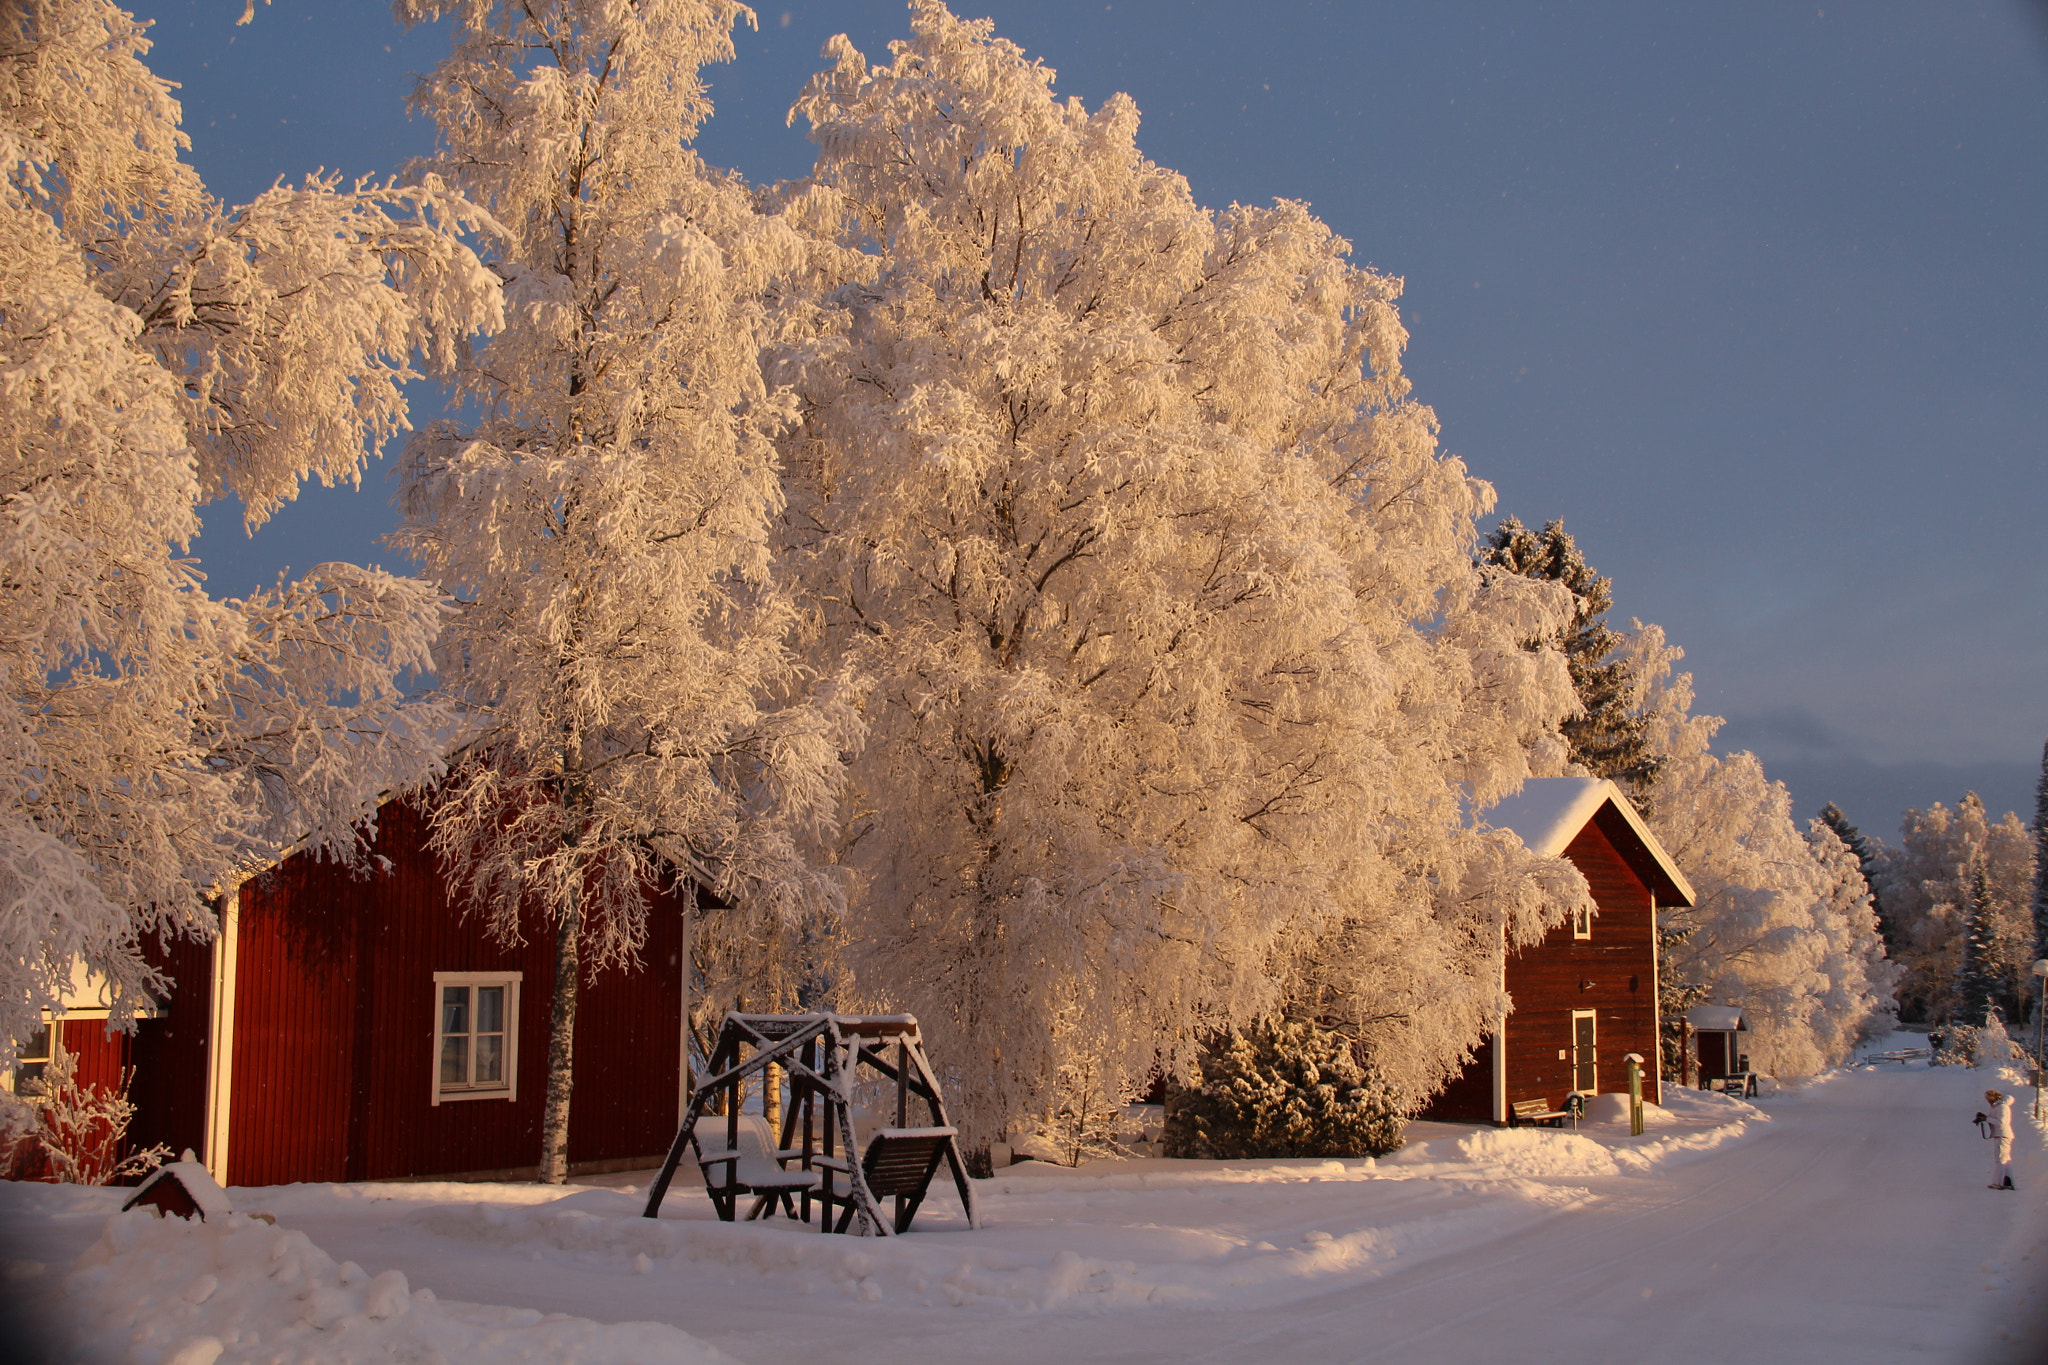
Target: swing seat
[
  {"x": 899, "y": 1162},
  {"x": 754, "y": 1167}
]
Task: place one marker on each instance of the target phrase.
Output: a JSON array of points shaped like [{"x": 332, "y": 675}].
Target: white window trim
[
  {"x": 1582, "y": 924},
  {"x": 56, "y": 1050},
  {"x": 510, "y": 981},
  {"x": 1577, "y": 1015}
]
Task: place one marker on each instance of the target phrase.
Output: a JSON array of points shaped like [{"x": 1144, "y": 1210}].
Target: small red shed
[
  {"x": 355, "y": 1025},
  {"x": 1586, "y": 995},
  {"x": 1718, "y": 1031}
]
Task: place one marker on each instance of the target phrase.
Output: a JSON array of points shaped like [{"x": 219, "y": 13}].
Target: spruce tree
[
  {"x": 1868, "y": 859},
  {"x": 1609, "y": 739},
  {"x": 1975, "y": 974},
  {"x": 2041, "y": 859}
]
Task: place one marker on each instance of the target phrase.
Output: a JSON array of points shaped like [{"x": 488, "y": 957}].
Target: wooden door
[{"x": 1585, "y": 1060}]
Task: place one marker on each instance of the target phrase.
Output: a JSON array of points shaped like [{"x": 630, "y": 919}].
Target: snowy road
[
  {"x": 1855, "y": 1227},
  {"x": 1849, "y": 1221}
]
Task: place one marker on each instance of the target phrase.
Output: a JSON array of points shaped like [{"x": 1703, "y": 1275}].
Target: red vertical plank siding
[
  {"x": 296, "y": 977},
  {"x": 414, "y": 931},
  {"x": 169, "y": 1052},
  {"x": 99, "y": 1060},
  {"x": 334, "y": 1029},
  {"x": 1548, "y": 981},
  {"x": 628, "y": 1040}
]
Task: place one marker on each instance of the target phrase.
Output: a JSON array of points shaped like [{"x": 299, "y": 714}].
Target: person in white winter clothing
[{"x": 2000, "y": 1120}]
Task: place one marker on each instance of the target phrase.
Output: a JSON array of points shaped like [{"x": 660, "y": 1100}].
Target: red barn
[
  {"x": 356, "y": 1026},
  {"x": 1586, "y": 995}
]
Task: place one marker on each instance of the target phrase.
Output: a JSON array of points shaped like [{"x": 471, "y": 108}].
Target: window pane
[
  {"x": 454, "y": 1009},
  {"x": 490, "y": 1009},
  {"x": 454, "y": 1060},
  {"x": 37, "y": 1046},
  {"x": 490, "y": 1060}
]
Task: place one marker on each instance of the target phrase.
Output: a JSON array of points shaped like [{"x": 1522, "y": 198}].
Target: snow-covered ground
[{"x": 1847, "y": 1219}]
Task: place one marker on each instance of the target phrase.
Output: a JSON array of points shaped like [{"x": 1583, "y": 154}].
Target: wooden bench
[
  {"x": 1536, "y": 1113},
  {"x": 899, "y": 1162}
]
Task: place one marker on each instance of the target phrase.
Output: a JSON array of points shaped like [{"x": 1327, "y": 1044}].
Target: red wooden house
[
  {"x": 356, "y": 1026},
  {"x": 1586, "y": 995}
]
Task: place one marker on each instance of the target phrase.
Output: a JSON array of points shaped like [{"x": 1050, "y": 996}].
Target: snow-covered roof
[
  {"x": 197, "y": 1182},
  {"x": 1548, "y": 813},
  {"x": 1715, "y": 1018}
]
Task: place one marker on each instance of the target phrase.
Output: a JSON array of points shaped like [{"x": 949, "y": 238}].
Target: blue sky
[{"x": 1752, "y": 295}]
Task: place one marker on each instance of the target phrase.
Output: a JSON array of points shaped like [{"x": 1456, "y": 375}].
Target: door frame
[{"x": 1594, "y": 1017}]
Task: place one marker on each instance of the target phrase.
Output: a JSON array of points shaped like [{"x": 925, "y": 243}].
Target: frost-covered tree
[
  {"x": 1927, "y": 887},
  {"x": 1870, "y": 859},
  {"x": 2040, "y": 903},
  {"x": 1977, "y": 951},
  {"x": 1783, "y": 925},
  {"x": 157, "y": 349},
  {"x": 619, "y": 647},
  {"x": 1609, "y": 738},
  {"x": 1180, "y": 655}
]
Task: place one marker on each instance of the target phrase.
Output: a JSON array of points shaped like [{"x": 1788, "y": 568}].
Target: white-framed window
[
  {"x": 32, "y": 1057},
  {"x": 1585, "y": 1053},
  {"x": 1582, "y": 922},
  {"x": 476, "y": 1036}
]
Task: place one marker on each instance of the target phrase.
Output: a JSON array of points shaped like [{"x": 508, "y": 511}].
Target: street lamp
[{"x": 2040, "y": 970}]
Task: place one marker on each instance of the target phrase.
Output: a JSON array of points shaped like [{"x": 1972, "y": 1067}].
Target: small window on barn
[
  {"x": 1582, "y": 922},
  {"x": 476, "y": 1035},
  {"x": 31, "y": 1058}
]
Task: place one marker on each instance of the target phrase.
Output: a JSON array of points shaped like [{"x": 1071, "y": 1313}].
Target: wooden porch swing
[{"x": 822, "y": 1054}]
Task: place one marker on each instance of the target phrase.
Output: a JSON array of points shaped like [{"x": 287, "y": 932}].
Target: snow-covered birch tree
[
  {"x": 1125, "y": 507},
  {"x": 1783, "y": 925},
  {"x": 1928, "y": 888},
  {"x": 619, "y": 641},
  {"x": 158, "y": 349}
]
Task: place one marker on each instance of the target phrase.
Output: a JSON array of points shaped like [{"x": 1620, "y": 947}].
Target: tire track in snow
[{"x": 1384, "y": 1293}]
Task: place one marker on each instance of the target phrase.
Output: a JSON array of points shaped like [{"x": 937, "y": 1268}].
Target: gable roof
[{"x": 1548, "y": 813}]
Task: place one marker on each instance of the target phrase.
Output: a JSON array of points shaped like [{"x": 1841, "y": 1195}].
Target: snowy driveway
[{"x": 1848, "y": 1221}]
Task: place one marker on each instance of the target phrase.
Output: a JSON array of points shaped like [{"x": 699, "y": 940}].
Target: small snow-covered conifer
[{"x": 1280, "y": 1088}]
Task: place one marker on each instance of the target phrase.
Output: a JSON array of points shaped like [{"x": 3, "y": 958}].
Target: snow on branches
[
  {"x": 157, "y": 349},
  {"x": 1181, "y": 662},
  {"x": 1783, "y": 925},
  {"x": 620, "y": 643}
]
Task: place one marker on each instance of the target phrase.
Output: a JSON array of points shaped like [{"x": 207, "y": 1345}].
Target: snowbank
[
  {"x": 190, "y": 1293},
  {"x": 1049, "y": 1244}
]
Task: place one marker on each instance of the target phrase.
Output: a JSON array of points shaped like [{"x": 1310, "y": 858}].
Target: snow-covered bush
[
  {"x": 1995, "y": 1046},
  {"x": 1281, "y": 1089},
  {"x": 1958, "y": 1046},
  {"x": 73, "y": 1133}
]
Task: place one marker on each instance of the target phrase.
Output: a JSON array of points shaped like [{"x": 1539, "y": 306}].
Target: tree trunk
[{"x": 554, "y": 1122}]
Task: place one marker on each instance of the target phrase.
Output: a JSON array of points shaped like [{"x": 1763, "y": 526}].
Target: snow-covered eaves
[
  {"x": 1715, "y": 1018},
  {"x": 1548, "y": 813}
]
